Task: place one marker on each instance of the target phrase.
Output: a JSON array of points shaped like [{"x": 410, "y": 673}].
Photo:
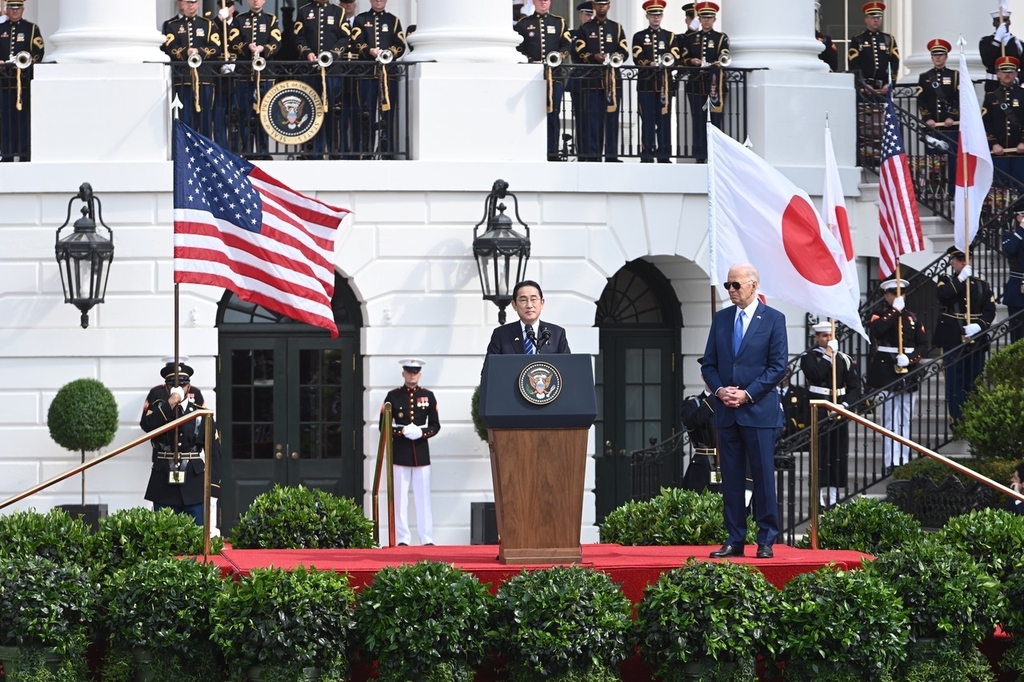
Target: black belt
[{"x": 181, "y": 455}]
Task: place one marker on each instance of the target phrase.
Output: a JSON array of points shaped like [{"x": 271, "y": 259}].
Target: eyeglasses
[
  {"x": 735, "y": 286},
  {"x": 533, "y": 300}
]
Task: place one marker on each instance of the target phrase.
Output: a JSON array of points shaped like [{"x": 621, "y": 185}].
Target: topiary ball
[
  {"x": 296, "y": 517},
  {"x": 83, "y": 416}
]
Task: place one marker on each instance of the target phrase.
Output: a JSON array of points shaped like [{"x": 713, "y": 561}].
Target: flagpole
[
  {"x": 835, "y": 387},
  {"x": 899, "y": 324}
]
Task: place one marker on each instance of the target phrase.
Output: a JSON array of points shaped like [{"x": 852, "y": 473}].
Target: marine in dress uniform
[
  {"x": 953, "y": 328},
  {"x": 833, "y": 435},
  {"x": 705, "y": 86},
  {"x": 321, "y": 27},
  {"x": 999, "y": 43},
  {"x": 414, "y": 420},
  {"x": 17, "y": 36},
  {"x": 186, "y": 36},
  {"x": 377, "y": 30},
  {"x": 654, "y": 92},
  {"x": 887, "y": 366},
  {"x": 542, "y": 34},
  {"x": 596, "y": 41},
  {"x": 1002, "y": 114},
  {"x": 938, "y": 105},
  {"x": 873, "y": 54},
  {"x": 1013, "y": 292},
  {"x": 253, "y": 34},
  {"x": 182, "y": 492}
]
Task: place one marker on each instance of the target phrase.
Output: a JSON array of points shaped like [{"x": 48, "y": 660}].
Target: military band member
[
  {"x": 193, "y": 36},
  {"x": 596, "y": 43},
  {"x": 873, "y": 54},
  {"x": 829, "y": 54},
  {"x": 705, "y": 88},
  {"x": 938, "y": 105},
  {"x": 177, "y": 478},
  {"x": 17, "y": 37},
  {"x": 890, "y": 362},
  {"x": 963, "y": 366},
  {"x": 1013, "y": 292},
  {"x": 377, "y": 31},
  {"x": 654, "y": 93},
  {"x": 544, "y": 33},
  {"x": 349, "y": 129},
  {"x": 320, "y": 28},
  {"x": 833, "y": 435},
  {"x": 1004, "y": 121},
  {"x": 1000, "y": 43},
  {"x": 254, "y": 34},
  {"x": 584, "y": 13},
  {"x": 414, "y": 421},
  {"x": 692, "y": 23}
]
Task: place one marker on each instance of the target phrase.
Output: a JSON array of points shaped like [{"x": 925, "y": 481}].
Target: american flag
[
  {"x": 237, "y": 228},
  {"x": 899, "y": 222}
]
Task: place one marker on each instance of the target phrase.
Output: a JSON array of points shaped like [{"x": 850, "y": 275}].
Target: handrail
[
  {"x": 208, "y": 448},
  {"x": 853, "y": 416},
  {"x": 385, "y": 450}
]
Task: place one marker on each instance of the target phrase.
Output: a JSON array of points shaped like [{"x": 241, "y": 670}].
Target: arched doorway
[
  {"x": 289, "y": 402},
  {"x": 638, "y": 377}
]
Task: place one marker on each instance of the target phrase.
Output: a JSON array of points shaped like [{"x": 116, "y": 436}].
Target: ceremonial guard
[
  {"x": 1004, "y": 125},
  {"x": 414, "y": 421},
  {"x": 829, "y": 54},
  {"x": 21, "y": 47},
  {"x": 1000, "y": 43},
  {"x": 1013, "y": 292},
  {"x": 692, "y": 23},
  {"x": 898, "y": 341},
  {"x": 323, "y": 36},
  {"x": 377, "y": 31},
  {"x": 955, "y": 327},
  {"x": 796, "y": 405},
  {"x": 696, "y": 415},
  {"x": 655, "y": 52},
  {"x": 547, "y": 34},
  {"x": 177, "y": 478},
  {"x": 818, "y": 365},
  {"x": 226, "y": 117},
  {"x": 708, "y": 51},
  {"x": 601, "y": 42},
  {"x": 873, "y": 54},
  {"x": 255, "y": 37},
  {"x": 938, "y": 105},
  {"x": 192, "y": 40}
]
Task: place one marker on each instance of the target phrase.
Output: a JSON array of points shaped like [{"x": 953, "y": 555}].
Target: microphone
[
  {"x": 545, "y": 336},
  {"x": 531, "y": 335}
]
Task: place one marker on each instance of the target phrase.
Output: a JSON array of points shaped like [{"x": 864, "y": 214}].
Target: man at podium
[{"x": 529, "y": 335}]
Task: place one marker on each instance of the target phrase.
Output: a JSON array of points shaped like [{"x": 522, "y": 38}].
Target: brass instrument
[
  {"x": 22, "y": 60},
  {"x": 553, "y": 59},
  {"x": 667, "y": 60},
  {"x": 723, "y": 62},
  {"x": 385, "y": 57},
  {"x": 195, "y": 60},
  {"x": 324, "y": 61},
  {"x": 614, "y": 60},
  {"x": 258, "y": 63}
]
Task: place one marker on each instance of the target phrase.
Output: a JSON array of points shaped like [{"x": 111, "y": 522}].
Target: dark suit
[
  {"x": 508, "y": 339},
  {"x": 747, "y": 434}
]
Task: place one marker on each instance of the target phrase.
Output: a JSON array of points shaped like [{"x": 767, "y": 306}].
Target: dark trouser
[
  {"x": 374, "y": 125},
  {"x": 739, "y": 446},
  {"x": 1017, "y": 326},
  {"x": 348, "y": 133},
  {"x": 699, "y": 119},
  {"x": 655, "y": 128},
  {"x": 600, "y": 128},
  {"x": 962, "y": 369},
  {"x": 576, "y": 95},
  {"x": 324, "y": 139},
  {"x": 15, "y": 133},
  {"x": 193, "y": 510},
  {"x": 200, "y": 121},
  {"x": 1011, "y": 165},
  {"x": 555, "y": 119},
  {"x": 254, "y": 137}
]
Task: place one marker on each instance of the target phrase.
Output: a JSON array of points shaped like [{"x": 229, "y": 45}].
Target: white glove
[
  {"x": 902, "y": 360},
  {"x": 965, "y": 273},
  {"x": 1002, "y": 34},
  {"x": 833, "y": 345},
  {"x": 224, "y": 13},
  {"x": 972, "y": 329},
  {"x": 412, "y": 432},
  {"x": 227, "y": 68},
  {"x": 695, "y": 25},
  {"x": 180, "y": 392},
  {"x": 3, "y": 18},
  {"x": 899, "y": 303}
]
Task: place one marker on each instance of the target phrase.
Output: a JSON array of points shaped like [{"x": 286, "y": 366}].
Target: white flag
[
  {"x": 758, "y": 216},
  {"x": 973, "y": 164}
]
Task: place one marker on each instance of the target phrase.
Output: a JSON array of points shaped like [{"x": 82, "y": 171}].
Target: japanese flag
[{"x": 973, "y": 164}]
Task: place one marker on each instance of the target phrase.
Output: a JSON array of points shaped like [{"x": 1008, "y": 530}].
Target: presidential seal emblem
[
  {"x": 540, "y": 383},
  {"x": 291, "y": 112}
]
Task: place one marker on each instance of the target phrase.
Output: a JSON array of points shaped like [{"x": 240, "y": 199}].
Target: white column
[
  {"x": 481, "y": 31},
  {"x": 773, "y": 35},
  {"x": 113, "y": 31},
  {"x": 947, "y": 19}
]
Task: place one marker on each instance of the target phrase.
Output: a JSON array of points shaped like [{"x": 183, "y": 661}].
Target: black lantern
[
  {"x": 501, "y": 252},
  {"x": 84, "y": 256}
]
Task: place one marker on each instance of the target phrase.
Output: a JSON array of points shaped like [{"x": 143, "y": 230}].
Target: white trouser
[
  {"x": 829, "y": 496},
  {"x": 420, "y": 479},
  {"x": 897, "y": 409}
]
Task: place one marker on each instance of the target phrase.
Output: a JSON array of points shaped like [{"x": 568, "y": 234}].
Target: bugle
[
  {"x": 195, "y": 60},
  {"x": 324, "y": 59},
  {"x": 723, "y": 62},
  {"x": 553, "y": 58},
  {"x": 23, "y": 60},
  {"x": 385, "y": 57},
  {"x": 667, "y": 60},
  {"x": 258, "y": 63},
  {"x": 614, "y": 60}
]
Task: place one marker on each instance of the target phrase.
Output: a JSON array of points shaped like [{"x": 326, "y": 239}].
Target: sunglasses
[{"x": 735, "y": 286}]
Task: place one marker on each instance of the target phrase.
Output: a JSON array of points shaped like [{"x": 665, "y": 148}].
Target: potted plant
[
  {"x": 53, "y": 535},
  {"x": 426, "y": 621},
  {"x": 562, "y": 624},
  {"x": 993, "y": 537},
  {"x": 83, "y": 416},
  {"x": 865, "y": 525},
  {"x": 46, "y": 613},
  {"x": 706, "y": 620},
  {"x": 953, "y": 606},
  {"x": 841, "y": 626},
  {"x": 132, "y": 535},
  {"x": 674, "y": 517},
  {"x": 157, "y": 619},
  {"x": 296, "y": 517},
  {"x": 281, "y": 626}
]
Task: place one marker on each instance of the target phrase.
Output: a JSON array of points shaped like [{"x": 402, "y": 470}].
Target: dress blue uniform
[
  {"x": 321, "y": 27},
  {"x": 382, "y": 31},
  {"x": 602, "y": 92},
  {"x": 1013, "y": 292},
  {"x": 16, "y": 84},
  {"x": 705, "y": 87},
  {"x": 654, "y": 92},
  {"x": 253, "y": 28},
  {"x": 544, "y": 33},
  {"x": 194, "y": 86}
]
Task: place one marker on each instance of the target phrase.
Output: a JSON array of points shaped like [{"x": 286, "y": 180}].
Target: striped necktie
[{"x": 527, "y": 343}]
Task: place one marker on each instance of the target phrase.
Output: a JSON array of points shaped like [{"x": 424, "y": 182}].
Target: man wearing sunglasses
[{"x": 744, "y": 360}]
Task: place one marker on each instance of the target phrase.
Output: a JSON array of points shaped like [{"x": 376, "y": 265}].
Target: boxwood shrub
[
  {"x": 674, "y": 517},
  {"x": 865, "y": 525},
  {"x": 296, "y": 517},
  {"x": 131, "y": 535}
]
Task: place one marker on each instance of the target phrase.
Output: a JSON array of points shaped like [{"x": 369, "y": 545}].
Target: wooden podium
[{"x": 538, "y": 453}]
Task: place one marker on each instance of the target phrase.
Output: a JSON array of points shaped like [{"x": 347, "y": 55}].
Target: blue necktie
[
  {"x": 527, "y": 343},
  {"x": 737, "y": 333}
]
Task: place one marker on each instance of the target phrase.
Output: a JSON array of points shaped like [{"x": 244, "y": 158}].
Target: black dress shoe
[
  {"x": 402, "y": 544},
  {"x": 765, "y": 552},
  {"x": 727, "y": 550}
]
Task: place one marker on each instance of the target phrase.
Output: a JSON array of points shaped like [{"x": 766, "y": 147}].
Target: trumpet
[
  {"x": 195, "y": 60},
  {"x": 667, "y": 60},
  {"x": 553, "y": 58},
  {"x": 723, "y": 61},
  {"x": 385, "y": 57},
  {"x": 23, "y": 60},
  {"x": 258, "y": 63},
  {"x": 614, "y": 60},
  {"x": 325, "y": 59}
]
